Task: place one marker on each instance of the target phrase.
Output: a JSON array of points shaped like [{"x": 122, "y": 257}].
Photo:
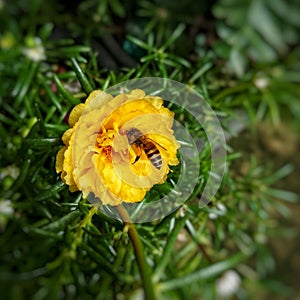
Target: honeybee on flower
[{"x": 118, "y": 147}]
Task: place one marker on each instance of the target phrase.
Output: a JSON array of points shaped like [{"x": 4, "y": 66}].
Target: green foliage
[
  {"x": 54, "y": 244},
  {"x": 260, "y": 30}
]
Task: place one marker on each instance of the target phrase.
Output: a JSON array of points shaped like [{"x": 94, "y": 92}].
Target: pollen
[{"x": 107, "y": 152}]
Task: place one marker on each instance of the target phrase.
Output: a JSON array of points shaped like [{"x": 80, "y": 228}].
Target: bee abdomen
[
  {"x": 155, "y": 157},
  {"x": 157, "y": 162}
]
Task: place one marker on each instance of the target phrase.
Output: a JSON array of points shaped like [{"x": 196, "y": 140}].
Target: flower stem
[{"x": 139, "y": 253}]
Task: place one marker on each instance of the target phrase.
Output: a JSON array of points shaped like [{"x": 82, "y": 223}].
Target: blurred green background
[{"x": 242, "y": 57}]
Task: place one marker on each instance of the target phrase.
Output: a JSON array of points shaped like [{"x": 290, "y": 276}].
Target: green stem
[
  {"x": 81, "y": 77},
  {"x": 139, "y": 253}
]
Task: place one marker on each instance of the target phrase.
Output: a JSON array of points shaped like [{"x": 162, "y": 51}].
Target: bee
[{"x": 143, "y": 143}]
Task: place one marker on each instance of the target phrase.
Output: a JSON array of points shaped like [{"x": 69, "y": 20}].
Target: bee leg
[
  {"x": 136, "y": 159},
  {"x": 137, "y": 152}
]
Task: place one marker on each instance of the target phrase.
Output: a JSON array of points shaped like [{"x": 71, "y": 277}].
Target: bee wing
[{"x": 155, "y": 143}]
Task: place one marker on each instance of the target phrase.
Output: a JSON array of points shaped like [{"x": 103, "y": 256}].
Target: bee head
[{"x": 133, "y": 134}]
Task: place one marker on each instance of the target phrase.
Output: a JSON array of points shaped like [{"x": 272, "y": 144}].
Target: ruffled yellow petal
[
  {"x": 75, "y": 114},
  {"x": 60, "y": 160},
  {"x": 117, "y": 187},
  {"x": 67, "y": 136},
  {"x": 68, "y": 167}
]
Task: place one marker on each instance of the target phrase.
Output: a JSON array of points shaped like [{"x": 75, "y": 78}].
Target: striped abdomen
[{"x": 153, "y": 154}]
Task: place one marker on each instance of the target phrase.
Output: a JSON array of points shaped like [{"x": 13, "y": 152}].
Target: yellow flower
[{"x": 117, "y": 147}]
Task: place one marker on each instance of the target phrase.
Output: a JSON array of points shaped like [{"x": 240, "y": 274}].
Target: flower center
[
  {"x": 104, "y": 143},
  {"x": 107, "y": 152}
]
